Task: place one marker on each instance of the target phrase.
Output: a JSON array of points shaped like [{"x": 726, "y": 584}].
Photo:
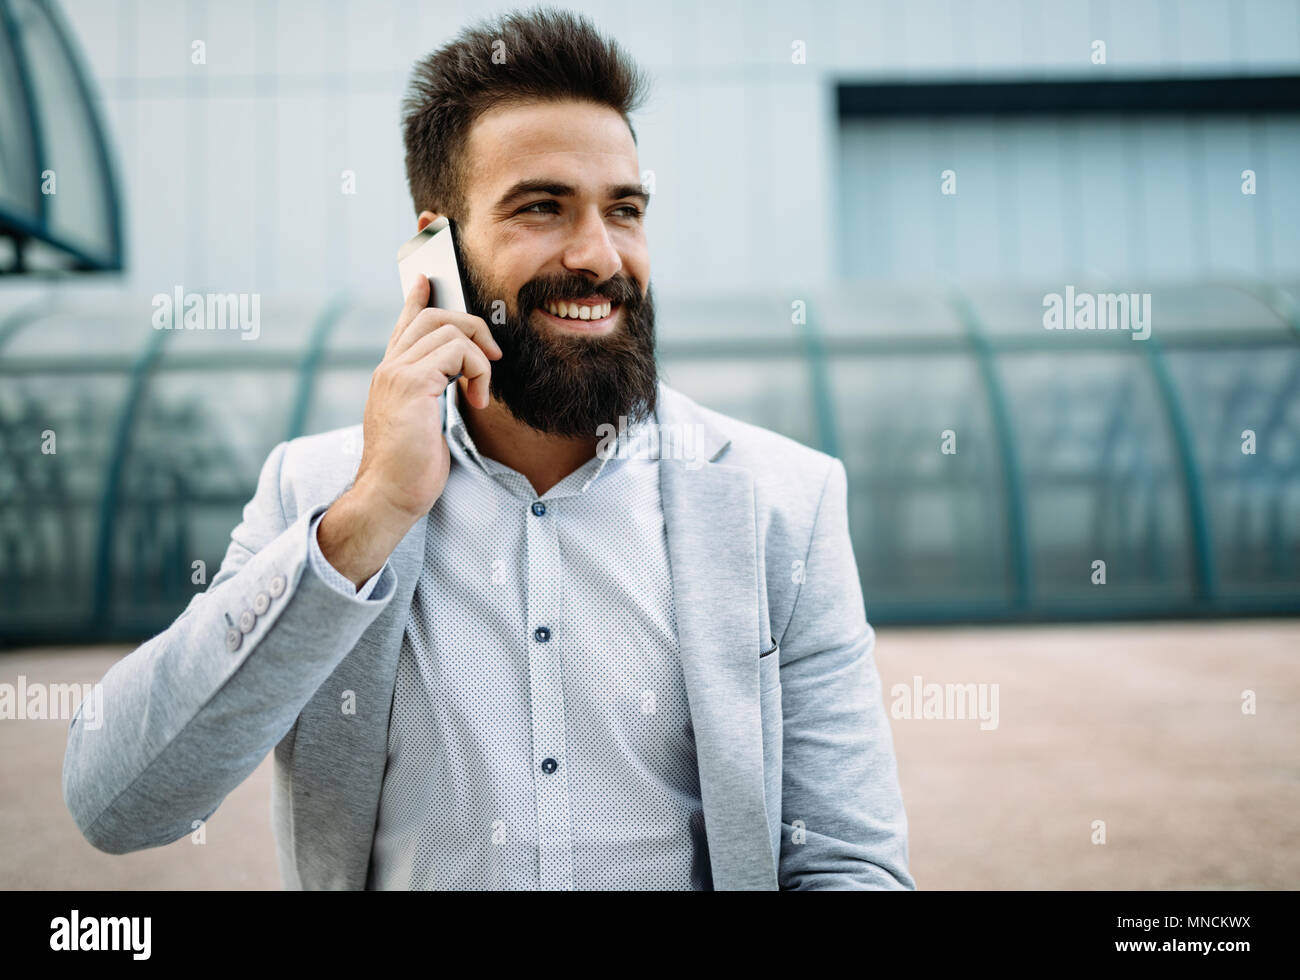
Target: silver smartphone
[{"x": 433, "y": 252}]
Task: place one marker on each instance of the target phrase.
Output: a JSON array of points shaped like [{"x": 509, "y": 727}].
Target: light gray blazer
[{"x": 796, "y": 760}]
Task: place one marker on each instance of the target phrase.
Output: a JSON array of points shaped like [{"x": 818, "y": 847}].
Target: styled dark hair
[{"x": 523, "y": 56}]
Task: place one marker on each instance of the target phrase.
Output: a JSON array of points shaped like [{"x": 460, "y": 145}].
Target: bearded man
[{"x": 485, "y": 654}]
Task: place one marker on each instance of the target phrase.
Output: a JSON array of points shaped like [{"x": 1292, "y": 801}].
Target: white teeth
[{"x": 573, "y": 311}]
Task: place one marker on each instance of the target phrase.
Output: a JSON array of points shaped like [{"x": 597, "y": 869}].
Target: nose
[{"x": 590, "y": 249}]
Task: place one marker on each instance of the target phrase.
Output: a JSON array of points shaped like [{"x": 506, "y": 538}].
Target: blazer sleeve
[
  {"x": 842, "y": 825},
  {"x": 186, "y": 717}
]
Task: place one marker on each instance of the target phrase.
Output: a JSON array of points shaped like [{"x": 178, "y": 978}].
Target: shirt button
[
  {"x": 261, "y": 603},
  {"x": 539, "y": 508},
  {"x": 541, "y": 634},
  {"x": 277, "y": 587},
  {"x": 233, "y": 639},
  {"x": 549, "y": 766},
  {"x": 246, "y": 621}
]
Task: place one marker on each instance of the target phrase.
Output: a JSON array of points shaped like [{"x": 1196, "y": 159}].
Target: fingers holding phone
[
  {"x": 405, "y": 459},
  {"x": 450, "y": 350}
]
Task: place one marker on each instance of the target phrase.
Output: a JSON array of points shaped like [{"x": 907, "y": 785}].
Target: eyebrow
[{"x": 557, "y": 188}]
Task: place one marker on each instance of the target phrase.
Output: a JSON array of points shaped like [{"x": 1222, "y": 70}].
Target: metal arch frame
[
  {"x": 114, "y": 261},
  {"x": 1206, "y": 589},
  {"x": 28, "y": 103},
  {"x": 140, "y": 373},
  {"x": 1198, "y": 518},
  {"x": 106, "y": 541},
  {"x": 309, "y": 366},
  {"x": 107, "y": 169},
  {"x": 1012, "y": 473},
  {"x": 1286, "y": 308}
]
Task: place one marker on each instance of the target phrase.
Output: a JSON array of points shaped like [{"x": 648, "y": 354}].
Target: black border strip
[{"x": 1275, "y": 93}]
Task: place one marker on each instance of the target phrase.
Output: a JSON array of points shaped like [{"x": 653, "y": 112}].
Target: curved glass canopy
[
  {"x": 58, "y": 191},
  {"x": 992, "y": 463}
]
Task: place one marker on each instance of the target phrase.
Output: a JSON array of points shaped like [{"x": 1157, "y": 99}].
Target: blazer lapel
[
  {"x": 343, "y": 757},
  {"x": 709, "y": 517},
  {"x": 339, "y": 759}
]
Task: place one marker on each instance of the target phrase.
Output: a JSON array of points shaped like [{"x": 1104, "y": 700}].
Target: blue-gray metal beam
[
  {"x": 1012, "y": 475},
  {"x": 118, "y": 451},
  {"x": 85, "y": 259},
  {"x": 367, "y": 357}
]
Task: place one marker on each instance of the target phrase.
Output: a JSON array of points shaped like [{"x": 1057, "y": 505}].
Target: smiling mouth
[{"x": 581, "y": 314}]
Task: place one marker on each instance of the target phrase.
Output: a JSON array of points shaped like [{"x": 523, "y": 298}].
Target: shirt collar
[{"x": 628, "y": 439}]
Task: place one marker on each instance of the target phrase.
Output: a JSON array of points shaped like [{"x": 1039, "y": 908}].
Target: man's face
[{"x": 556, "y": 221}]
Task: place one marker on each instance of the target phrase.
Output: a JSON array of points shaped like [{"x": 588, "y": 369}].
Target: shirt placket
[{"x": 546, "y": 683}]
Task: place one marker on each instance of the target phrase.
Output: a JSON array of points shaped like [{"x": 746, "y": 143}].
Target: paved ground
[{"x": 1139, "y": 726}]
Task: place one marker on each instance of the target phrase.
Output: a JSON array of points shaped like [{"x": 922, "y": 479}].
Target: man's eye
[{"x": 632, "y": 211}]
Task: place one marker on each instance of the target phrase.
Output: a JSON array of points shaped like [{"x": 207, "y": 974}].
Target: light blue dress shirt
[{"x": 540, "y": 735}]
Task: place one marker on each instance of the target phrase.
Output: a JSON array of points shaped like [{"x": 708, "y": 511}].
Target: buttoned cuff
[{"x": 332, "y": 576}]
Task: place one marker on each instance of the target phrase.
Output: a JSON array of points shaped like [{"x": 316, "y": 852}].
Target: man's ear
[{"x": 426, "y": 218}]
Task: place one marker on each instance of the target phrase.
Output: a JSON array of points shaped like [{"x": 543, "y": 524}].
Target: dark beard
[{"x": 570, "y": 384}]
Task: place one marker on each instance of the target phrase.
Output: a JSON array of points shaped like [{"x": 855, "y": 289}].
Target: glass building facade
[
  {"x": 812, "y": 276},
  {"x": 991, "y": 462}
]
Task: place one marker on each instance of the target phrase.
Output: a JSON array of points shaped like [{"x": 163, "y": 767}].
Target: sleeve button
[
  {"x": 247, "y": 621},
  {"x": 277, "y": 587},
  {"x": 233, "y": 639},
  {"x": 261, "y": 603}
]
